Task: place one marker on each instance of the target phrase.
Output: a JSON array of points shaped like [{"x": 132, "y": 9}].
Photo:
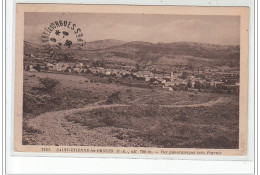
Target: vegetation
[
  {"x": 48, "y": 83},
  {"x": 144, "y": 122},
  {"x": 46, "y": 94},
  {"x": 184, "y": 75},
  {"x": 203, "y": 127},
  {"x": 113, "y": 98}
]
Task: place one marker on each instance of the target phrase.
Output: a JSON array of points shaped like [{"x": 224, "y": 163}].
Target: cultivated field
[{"x": 80, "y": 111}]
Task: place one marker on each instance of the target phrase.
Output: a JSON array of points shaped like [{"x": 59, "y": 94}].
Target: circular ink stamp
[{"x": 63, "y": 34}]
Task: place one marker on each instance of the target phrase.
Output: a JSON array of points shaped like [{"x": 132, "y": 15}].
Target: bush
[
  {"x": 113, "y": 98},
  {"x": 109, "y": 121},
  {"x": 28, "y": 103},
  {"x": 74, "y": 119},
  {"x": 49, "y": 83},
  {"x": 37, "y": 67}
]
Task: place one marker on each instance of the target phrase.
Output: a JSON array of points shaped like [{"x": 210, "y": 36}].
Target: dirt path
[
  {"x": 56, "y": 130},
  {"x": 206, "y": 104}
]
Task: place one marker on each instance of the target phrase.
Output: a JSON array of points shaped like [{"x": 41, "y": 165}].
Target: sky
[{"x": 140, "y": 27}]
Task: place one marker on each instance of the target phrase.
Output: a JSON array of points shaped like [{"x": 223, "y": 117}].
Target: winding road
[{"x": 57, "y": 130}]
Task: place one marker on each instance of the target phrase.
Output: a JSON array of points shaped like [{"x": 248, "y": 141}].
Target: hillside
[
  {"x": 139, "y": 51},
  {"x": 102, "y": 44},
  {"x": 210, "y": 51}
]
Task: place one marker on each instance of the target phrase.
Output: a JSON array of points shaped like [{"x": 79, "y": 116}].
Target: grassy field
[
  {"x": 144, "y": 120},
  {"x": 201, "y": 127}
]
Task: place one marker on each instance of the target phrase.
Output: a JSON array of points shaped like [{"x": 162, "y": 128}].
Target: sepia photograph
[{"x": 139, "y": 80}]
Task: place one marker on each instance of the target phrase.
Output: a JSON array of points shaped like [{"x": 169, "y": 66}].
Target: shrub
[
  {"x": 113, "y": 98},
  {"x": 109, "y": 121},
  {"x": 49, "y": 83},
  {"x": 28, "y": 103},
  {"x": 74, "y": 119},
  {"x": 37, "y": 67}
]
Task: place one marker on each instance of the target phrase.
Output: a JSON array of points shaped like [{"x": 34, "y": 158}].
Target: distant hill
[
  {"x": 204, "y": 50},
  {"x": 210, "y": 51},
  {"x": 166, "y": 53},
  {"x": 29, "y": 45},
  {"x": 102, "y": 44},
  {"x": 145, "y": 52},
  {"x": 31, "y": 48}
]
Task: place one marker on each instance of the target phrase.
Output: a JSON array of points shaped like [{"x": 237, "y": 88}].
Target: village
[{"x": 179, "y": 78}]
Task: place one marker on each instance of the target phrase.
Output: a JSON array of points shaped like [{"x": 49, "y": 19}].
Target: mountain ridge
[{"x": 142, "y": 51}]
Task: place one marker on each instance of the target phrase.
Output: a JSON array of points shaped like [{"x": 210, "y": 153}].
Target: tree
[
  {"x": 197, "y": 85},
  {"x": 189, "y": 85},
  {"x": 184, "y": 75},
  {"x": 137, "y": 67},
  {"x": 49, "y": 83},
  {"x": 98, "y": 64},
  {"x": 37, "y": 67},
  {"x": 113, "y": 98}
]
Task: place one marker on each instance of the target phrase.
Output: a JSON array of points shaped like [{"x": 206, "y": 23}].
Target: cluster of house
[
  {"x": 57, "y": 67},
  {"x": 110, "y": 72},
  {"x": 168, "y": 81}
]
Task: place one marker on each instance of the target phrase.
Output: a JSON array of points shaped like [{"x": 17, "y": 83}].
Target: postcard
[{"x": 141, "y": 80}]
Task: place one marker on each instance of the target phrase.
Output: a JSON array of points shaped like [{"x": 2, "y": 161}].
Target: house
[
  {"x": 167, "y": 76},
  {"x": 215, "y": 83},
  {"x": 168, "y": 88},
  {"x": 168, "y": 84},
  {"x": 177, "y": 81},
  {"x": 147, "y": 79},
  {"x": 162, "y": 81},
  {"x": 68, "y": 70},
  {"x": 30, "y": 68},
  {"x": 59, "y": 65},
  {"x": 76, "y": 70},
  {"x": 93, "y": 70},
  {"x": 79, "y": 65},
  {"x": 59, "y": 69},
  {"x": 44, "y": 68},
  {"x": 155, "y": 82},
  {"x": 49, "y": 65},
  {"x": 183, "y": 82},
  {"x": 192, "y": 83},
  {"x": 119, "y": 75},
  {"x": 84, "y": 71},
  {"x": 107, "y": 72}
]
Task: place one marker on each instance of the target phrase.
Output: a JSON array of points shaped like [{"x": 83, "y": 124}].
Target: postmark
[{"x": 63, "y": 34}]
